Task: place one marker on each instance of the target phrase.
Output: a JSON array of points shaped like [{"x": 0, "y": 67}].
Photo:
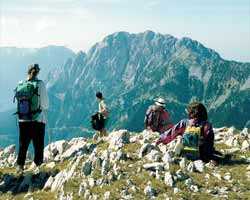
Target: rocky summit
[{"x": 126, "y": 165}]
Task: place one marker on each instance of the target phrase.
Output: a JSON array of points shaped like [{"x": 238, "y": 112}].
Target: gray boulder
[{"x": 118, "y": 138}]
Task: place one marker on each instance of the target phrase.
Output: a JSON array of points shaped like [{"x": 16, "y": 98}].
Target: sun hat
[{"x": 160, "y": 102}]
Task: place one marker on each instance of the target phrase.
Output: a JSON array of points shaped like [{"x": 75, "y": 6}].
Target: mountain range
[
  {"x": 133, "y": 69},
  {"x": 14, "y": 64}
]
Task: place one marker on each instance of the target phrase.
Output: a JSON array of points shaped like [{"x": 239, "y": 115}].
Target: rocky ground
[{"x": 129, "y": 166}]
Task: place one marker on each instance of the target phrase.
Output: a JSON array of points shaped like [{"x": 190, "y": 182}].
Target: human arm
[
  {"x": 44, "y": 99},
  {"x": 103, "y": 108},
  {"x": 173, "y": 132}
]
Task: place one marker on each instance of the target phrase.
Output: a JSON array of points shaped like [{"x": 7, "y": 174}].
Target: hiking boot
[
  {"x": 227, "y": 158},
  {"x": 35, "y": 169},
  {"x": 213, "y": 163},
  {"x": 103, "y": 133},
  {"x": 19, "y": 170}
]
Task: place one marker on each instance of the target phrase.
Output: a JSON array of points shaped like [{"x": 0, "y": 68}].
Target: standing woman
[
  {"x": 103, "y": 110},
  {"x": 32, "y": 106}
]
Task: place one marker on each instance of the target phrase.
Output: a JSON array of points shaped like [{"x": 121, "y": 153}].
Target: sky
[{"x": 223, "y": 25}]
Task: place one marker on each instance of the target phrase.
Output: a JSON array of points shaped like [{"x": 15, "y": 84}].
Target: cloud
[
  {"x": 105, "y": 1},
  {"x": 150, "y": 5},
  {"x": 44, "y": 23},
  {"x": 7, "y": 22},
  {"x": 2, "y": 21}
]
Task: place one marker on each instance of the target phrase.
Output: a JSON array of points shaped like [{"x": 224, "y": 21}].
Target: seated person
[
  {"x": 157, "y": 117},
  {"x": 196, "y": 133}
]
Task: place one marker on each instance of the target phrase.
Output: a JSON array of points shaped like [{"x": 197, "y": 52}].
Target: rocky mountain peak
[{"x": 132, "y": 69}]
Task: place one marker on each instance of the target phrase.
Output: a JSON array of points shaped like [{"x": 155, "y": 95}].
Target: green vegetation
[{"x": 237, "y": 188}]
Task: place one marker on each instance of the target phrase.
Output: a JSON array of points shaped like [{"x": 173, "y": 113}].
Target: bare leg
[
  {"x": 103, "y": 133},
  {"x": 96, "y": 135}
]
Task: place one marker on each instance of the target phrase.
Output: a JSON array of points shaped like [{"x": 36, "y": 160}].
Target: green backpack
[{"x": 28, "y": 100}]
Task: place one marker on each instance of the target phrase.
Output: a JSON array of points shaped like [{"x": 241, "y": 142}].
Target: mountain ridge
[
  {"x": 125, "y": 62},
  {"x": 16, "y": 60}
]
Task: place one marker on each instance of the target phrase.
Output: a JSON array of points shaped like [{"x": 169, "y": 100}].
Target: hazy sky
[{"x": 223, "y": 25}]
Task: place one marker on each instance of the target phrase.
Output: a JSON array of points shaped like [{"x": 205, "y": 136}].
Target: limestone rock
[
  {"x": 105, "y": 167},
  {"x": 77, "y": 146},
  {"x": 231, "y": 131},
  {"x": 217, "y": 175},
  {"x": 190, "y": 167},
  {"x": 245, "y": 145},
  {"x": 145, "y": 149},
  {"x": 91, "y": 182},
  {"x": 178, "y": 146},
  {"x": 150, "y": 135},
  {"x": 134, "y": 139},
  {"x": 194, "y": 188},
  {"x": 182, "y": 163},
  {"x": 48, "y": 183},
  {"x": 168, "y": 180},
  {"x": 167, "y": 157},
  {"x": 87, "y": 168},
  {"x": 244, "y": 132},
  {"x": 154, "y": 156},
  {"x": 81, "y": 190},
  {"x": 227, "y": 176},
  {"x": 248, "y": 174},
  {"x": 121, "y": 155},
  {"x": 11, "y": 160},
  {"x": 189, "y": 182},
  {"x": 106, "y": 154},
  {"x": 59, "y": 180},
  {"x": 87, "y": 194},
  {"x": 232, "y": 150},
  {"x": 51, "y": 165},
  {"x": 181, "y": 176},
  {"x": 176, "y": 190},
  {"x": 199, "y": 166},
  {"x": 149, "y": 191},
  {"x": 118, "y": 138},
  {"x": 54, "y": 149},
  {"x": 154, "y": 166},
  {"x": 9, "y": 150},
  {"x": 107, "y": 195},
  {"x": 230, "y": 141}
]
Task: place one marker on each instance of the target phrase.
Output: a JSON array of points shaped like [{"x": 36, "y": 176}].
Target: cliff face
[{"x": 132, "y": 69}]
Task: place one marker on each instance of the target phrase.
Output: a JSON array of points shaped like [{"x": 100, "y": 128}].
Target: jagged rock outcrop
[{"x": 98, "y": 170}]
